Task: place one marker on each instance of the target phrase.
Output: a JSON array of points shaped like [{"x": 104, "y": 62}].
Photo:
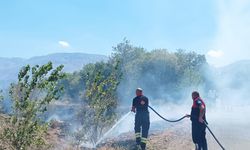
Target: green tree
[
  {"x": 35, "y": 89},
  {"x": 73, "y": 87},
  {"x": 101, "y": 81},
  {"x": 162, "y": 74},
  {"x": 130, "y": 58},
  {"x": 190, "y": 68}
]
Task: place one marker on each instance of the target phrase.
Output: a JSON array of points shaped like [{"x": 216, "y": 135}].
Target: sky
[{"x": 220, "y": 29}]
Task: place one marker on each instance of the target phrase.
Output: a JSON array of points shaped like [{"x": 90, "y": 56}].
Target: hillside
[
  {"x": 233, "y": 79},
  {"x": 236, "y": 75},
  {"x": 9, "y": 67}
]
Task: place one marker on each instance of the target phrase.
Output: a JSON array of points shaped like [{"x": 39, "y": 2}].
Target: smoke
[
  {"x": 228, "y": 114},
  {"x": 231, "y": 42},
  {"x": 227, "y": 103}
]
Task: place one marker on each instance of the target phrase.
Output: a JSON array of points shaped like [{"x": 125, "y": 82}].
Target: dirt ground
[
  {"x": 234, "y": 135},
  {"x": 178, "y": 137}
]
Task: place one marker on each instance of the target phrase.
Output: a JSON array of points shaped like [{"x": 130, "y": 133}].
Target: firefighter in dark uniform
[
  {"x": 198, "y": 118},
  {"x": 142, "y": 123}
]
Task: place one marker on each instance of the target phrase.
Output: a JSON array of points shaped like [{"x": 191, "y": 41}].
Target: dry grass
[{"x": 176, "y": 137}]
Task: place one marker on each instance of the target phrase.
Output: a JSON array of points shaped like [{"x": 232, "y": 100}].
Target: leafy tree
[
  {"x": 73, "y": 86},
  {"x": 159, "y": 72},
  {"x": 162, "y": 74},
  {"x": 35, "y": 89},
  {"x": 125, "y": 52},
  {"x": 190, "y": 68},
  {"x": 130, "y": 58},
  {"x": 101, "y": 81}
]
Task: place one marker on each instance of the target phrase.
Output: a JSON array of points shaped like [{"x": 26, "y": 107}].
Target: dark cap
[{"x": 196, "y": 94}]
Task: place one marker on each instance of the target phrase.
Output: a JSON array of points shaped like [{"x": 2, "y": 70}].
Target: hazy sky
[{"x": 218, "y": 28}]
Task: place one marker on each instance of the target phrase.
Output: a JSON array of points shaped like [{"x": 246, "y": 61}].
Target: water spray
[
  {"x": 106, "y": 134},
  {"x": 112, "y": 128}
]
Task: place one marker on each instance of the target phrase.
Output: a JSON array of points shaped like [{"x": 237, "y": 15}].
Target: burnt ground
[
  {"x": 175, "y": 137},
  {"x": 234, "y": 135}
]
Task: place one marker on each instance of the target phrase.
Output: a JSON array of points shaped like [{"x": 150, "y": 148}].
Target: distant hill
[
  {"x": 9, "y": 67},
  {"x": 236, "y": 75},
  {"x": 243, "y": 65}
]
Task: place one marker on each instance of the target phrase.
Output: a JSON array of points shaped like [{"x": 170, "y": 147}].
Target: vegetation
[
  {"x": 162, "y": 74},
  {"x": 99, "y": 89},
  {"x": 102, "y": 80},
  {"x": 36, "y": 88}
]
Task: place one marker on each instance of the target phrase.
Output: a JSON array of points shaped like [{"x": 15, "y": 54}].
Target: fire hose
[{"x": 206, "y": 124}]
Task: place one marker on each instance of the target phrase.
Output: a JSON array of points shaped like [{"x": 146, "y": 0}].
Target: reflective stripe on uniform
[
  {"x": 144, "y": 140},
  {"x": 138, "y": 134}
]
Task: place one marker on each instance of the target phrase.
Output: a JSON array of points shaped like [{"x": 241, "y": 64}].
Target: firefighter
[
  {"x": 142, "y": 123},
  {"x": 198, "y": 118}
]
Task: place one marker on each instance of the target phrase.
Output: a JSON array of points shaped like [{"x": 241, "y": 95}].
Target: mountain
[
  {"x": 9, "y": 67},
  {"x": 236, "y": 75},
  {"x": 243, "y": 65}
]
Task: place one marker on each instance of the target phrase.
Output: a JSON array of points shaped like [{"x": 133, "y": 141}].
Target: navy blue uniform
[
  {"x": 198, "y": 128},
  {"x": 142, "y": 122}
]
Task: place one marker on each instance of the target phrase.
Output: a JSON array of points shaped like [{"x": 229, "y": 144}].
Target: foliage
[
  {"x": 73, "y": 86},
  {"x": 36, "y": 88},
  {"x": 161, "y": 73},
  {"x": 99, "y": 88},
  {"x": 101, "y": 81}
]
